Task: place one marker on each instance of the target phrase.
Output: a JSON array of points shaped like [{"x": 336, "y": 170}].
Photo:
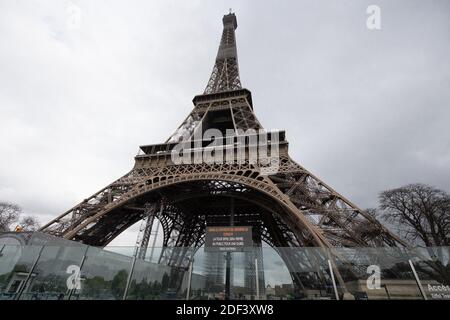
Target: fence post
[
  {"x": 419, "y": 284},
  {"x": 191, "y": 267},
  {"x": 130, "y": 274},
  {"x": 24, "y": 284},
  {"x": 333, "y": 280},
  {"x": 257, "y": 278}
]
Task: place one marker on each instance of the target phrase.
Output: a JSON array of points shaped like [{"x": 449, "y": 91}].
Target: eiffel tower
[{"x": 288, "y": 208}]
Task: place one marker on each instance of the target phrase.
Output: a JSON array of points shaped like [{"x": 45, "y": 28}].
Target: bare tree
[
  {"x": 10, "y": 214},
  {"x": 420, "y": 212}
]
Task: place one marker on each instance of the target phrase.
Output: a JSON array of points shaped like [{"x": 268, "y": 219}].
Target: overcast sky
[{"x": 365, "y": 110}]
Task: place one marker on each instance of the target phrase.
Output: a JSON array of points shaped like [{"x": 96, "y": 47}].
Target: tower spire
[{"x": 225, "y": 74}]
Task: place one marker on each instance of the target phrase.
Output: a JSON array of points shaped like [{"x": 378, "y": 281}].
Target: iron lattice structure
[{"x": 290, "y": 208}]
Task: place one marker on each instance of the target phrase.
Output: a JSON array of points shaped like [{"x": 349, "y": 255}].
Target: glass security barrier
[
  {"x": 159, "y": 278},
  {"x": 16, "y": 269},
  {"x": 375, "y": 273},
  {"x": 76, "y": 271},
  {"x": 296, "y": 273},
  {"x": 103, "y": 275},
  {"x": 52, "y": 272},
  {"x": 432, "y": 266}
]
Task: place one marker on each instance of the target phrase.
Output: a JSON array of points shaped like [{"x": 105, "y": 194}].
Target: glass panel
[
  {"x": 16, "y": 263},
  {"x": 243, "y": 274},
  {"x": 375, "y": 273},
  {"x": 104, "y": 275},
  {"x": 151, "y": 281},
  {"x": 307, "y": 276},
  {"x": 310, "y": 274},
  {"x": 433, "y": 268},
  {"x": 200, "y": 282},
  {"x": 56, "y": 266},
  {"x": 212, "y": 266}
]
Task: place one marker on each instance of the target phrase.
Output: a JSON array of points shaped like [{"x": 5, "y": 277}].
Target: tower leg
[{"x": 146, "y": 231}]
